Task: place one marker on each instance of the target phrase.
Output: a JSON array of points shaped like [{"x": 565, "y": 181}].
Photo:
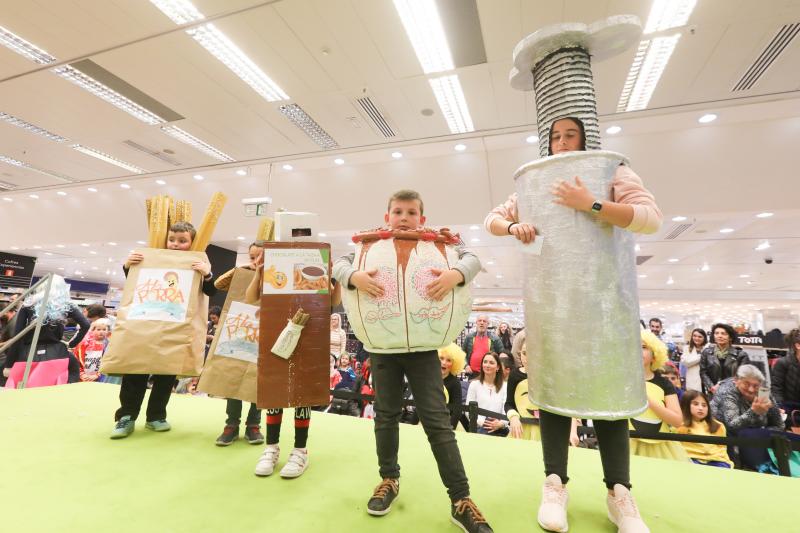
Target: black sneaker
[
  {"x": 253, "y": 435},
  {"x": 465, "y": 514},
  {"x": 229, "y": 434},
  {"x": 385, "y": 493}
]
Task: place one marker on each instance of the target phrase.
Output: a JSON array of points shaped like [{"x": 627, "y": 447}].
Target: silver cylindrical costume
[{"x": 581, "y": 296}]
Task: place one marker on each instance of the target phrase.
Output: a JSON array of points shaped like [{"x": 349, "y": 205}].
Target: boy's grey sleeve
[
  {"x": 468, "y": 264},
  {"x": 343, "y": 269}
]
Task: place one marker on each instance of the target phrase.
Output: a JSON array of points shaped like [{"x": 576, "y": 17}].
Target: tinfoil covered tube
[{"x": 581, "y": 298}]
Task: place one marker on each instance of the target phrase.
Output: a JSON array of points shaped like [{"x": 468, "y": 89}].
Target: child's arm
[
  {"x": 348, "y": 276},
  {"x": 504, "y": 220},
  {"x": 461, "y": 273},
  {"x": 670, "y": 411},
  {"x": 83, "y": 325}
]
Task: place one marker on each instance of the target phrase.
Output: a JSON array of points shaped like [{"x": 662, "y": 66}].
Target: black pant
[
  {"x": 131, "y": 395},
  {"x": 423, "y": 371},
  {"x": 612, "y": 438},
  {"x": 234, "y": 411}
]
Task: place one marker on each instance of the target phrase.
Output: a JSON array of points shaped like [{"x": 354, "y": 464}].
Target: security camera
[{"x": 768, "y": 260}]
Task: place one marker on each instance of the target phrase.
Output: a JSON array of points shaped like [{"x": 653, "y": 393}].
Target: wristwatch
[{"x": 596, "y": 207}]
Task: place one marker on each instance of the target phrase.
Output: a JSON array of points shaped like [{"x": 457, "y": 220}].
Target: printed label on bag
[
  {"x": 161, "y": 294},
  {"x": 238, "y": 337}
]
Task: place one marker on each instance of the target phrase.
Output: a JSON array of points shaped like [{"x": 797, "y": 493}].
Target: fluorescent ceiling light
[
  {"x": 239, "y": 238},
  {"x": 187, "y": 138},
  {"x": 140, "y": 242},
  {"x": 532, "y": 139},
  {"x": 24, "y": 48},
  {"x": 241, "y": 172},
  {"x": 642, "y": 276},
  {"x": 22, "y": 164},
  {"x": 637, "y": 247},
  {"x": 91, "y": 189},
  {"x": 109, "y": 95},
  {"x": 397, "y": 155},
  {"x": 613, "y": 130},
  {"x": 679, "y": 218},
  {"x": 339, "y": 161},
  {"x": 220, "y": 46},
  {"x": 763, "y": 246},
  {"x": 460, "y": 147},
  {"x": 112, "y": 243},
  {"x": 322, "y": 234},
  {"x": 161, "y": 182},
  {"x": 743, "y": 276},
  {"x": 667, "y": 14},
  {"x": 450, "y": 98},
  {"x": 475, "y": 239},
  {"x": 708, "y": 117},
  {"x": 424, "y": 28},
  {"x": 648, "y": 65},
  {"x": 61, "y": 193},
  {"x": 60, "y": 246},
  {"x": 673, "y": 260},
  {"x": 7, "y": 199},
  {"x": 198, "y": 177},
  {"x": 31, "y": 127},
  {"x": 764, "y": 215},
  {"x": 670, "y": 281},
  {"x": 34, "y": 196},
  {"x": 726, "y": 230},
  {"x": 124, "y": 186},
  {"x": 474, "y": 227},
  {"x": 308, "y": 125},
  {"x": 287, "y": 166},
  {"x": 705, "y": 268},
  {"x": 108, "y": 158}
]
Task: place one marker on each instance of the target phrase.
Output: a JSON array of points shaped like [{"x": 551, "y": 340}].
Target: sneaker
[
  {"x": 385, "y": 493},
  {"x": 553, "y": 509},
  {"x": 296, "y": 465},
  {"x": 253, "y": 435},
  {"x": 623, "y": 512},
  {"x": 158, "y": 425},
  {"x": 229, "y": 434},
  {"x": 465, "y": 514},
  {"x": 123, "y": 428},
  {"x": 266, "y": 463}
]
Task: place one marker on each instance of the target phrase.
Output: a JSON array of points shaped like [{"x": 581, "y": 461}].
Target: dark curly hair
[{"x": 728, "y": 329}]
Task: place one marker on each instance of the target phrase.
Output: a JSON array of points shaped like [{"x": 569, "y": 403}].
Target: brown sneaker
[
  {"x": 385, "y": 493},
  {"x": 466, "y": 515}
]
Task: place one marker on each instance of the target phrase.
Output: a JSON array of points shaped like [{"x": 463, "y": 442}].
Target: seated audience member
[
  {"x": 516, "y": 346},
  {"x": 479, "y": 343},
  {"x": 489, "y": 390},
  {"x": 697, "y": 420},
  {"x": 453, "y": 360},
  {"x": 720, "y": 360},
  {"x": 671, "y": 373},
  {"x": 738, "y": 405},
  {"x": 507, "y": 365},
  {"x": 786, "y": 377}
]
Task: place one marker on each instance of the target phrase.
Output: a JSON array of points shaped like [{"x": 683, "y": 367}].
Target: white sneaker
[
  {"x": 297, "y": 463},
  {"x": 266, "y": 463},
  {"x": 623, "y": 512},
  {"x": 553, "y": 509}
]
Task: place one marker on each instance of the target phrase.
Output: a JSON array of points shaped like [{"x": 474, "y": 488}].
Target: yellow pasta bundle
[
  {"x": 158, "y": 221},
  {"x": 210, "y": 220},
  {"x": 266, "y": 230}
]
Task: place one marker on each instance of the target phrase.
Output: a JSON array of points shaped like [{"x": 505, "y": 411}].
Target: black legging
[{"x": 612, "y": 438}]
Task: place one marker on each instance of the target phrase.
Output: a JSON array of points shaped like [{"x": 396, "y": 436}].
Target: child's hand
[
  {"x": 134, "y": 259},
  {"x": 365, "y": 281},
  {"x": 524, "y": 232},
  {"x": 202, "y": 267},
  {"x": 576, "y": 196},
  {"x": 516, "y": 427},
  {"x": 444, "y": 283},
  {"x": 259, "y": 260}
]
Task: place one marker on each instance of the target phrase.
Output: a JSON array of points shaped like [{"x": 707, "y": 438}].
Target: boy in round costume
[{"x": 570, "y": 210}]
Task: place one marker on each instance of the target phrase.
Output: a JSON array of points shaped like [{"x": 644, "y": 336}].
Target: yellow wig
[
  {"x": 456, "y": 355},
  {"x": 656, "y": 347}
]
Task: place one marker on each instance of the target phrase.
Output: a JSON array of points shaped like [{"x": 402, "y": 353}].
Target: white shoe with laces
[
  {"x": 296, "y": 465},
  {"x": 553, "y": 509},
  {"x": 266, "y": 463},
  {"x": 623, "y": 512}
]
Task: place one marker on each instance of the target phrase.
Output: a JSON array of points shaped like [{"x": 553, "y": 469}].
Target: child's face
[
  {"x": 447, "y": 364},
  {"x": 100, "y": 332},
  {"x": 180, "y": 240},
  {"x": 253, "y": 252},
  {"x": 404, "y": 215},
  {"x": 698, "y": 408},
  {"x": 344, "y": 361},
  {"x": 647, "y": 357},
  {"x": 675, "y": 380}
]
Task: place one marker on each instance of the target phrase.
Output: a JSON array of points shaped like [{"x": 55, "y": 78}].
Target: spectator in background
[
  {"x": 95, "y": 311},
  {"x": 505, "y": 334},
  {"x": 338, "y": 335},
  {"x": 7, "y": 324},
  {"x": 348, "y": 380},
  {"x": 453, "y": 360},
  {"x": 697, "y": 420},
  {"x": 720, "y": 360},
  {"x": 657, "y": 328},
  {"x": 507, "y": 365},
  {"x": 738, "y": 405},
  {"x": 479, "y": 343},
  {"x": 786, "y": 376},
  {"x": 214, "y": 313},
  {"x": 516, "y": 347},
  {"x": 690, "y": 359},
  {"x": 489, "y": 390},
  {"x": 671, "y": 373}
]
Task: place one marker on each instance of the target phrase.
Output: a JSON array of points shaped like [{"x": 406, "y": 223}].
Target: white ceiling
[{"x": 324, "y": 53}]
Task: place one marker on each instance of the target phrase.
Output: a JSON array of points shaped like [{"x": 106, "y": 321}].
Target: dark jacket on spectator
[
  {"x": 712, "y": 370},
  {"x": 786, "y": 380},
  {"x": 733, "y": 410},
  {"x": 453, "y": 386}
]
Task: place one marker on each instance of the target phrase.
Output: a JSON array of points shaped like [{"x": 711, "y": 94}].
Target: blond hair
[
  {"x": 656, "y": 347},
  {"x": 453, "y": 352}
]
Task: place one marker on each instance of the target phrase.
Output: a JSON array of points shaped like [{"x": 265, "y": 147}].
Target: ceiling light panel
[
  {"x": 424, "y": 28},
  {"x": 667, "y": 14},
  {"x": 220, "y": 46},
  {"x": 450, "y": 98},
  {"x": 187, "y": 138},
  {"x": 308, "y": 125},
  {"x": 108, "y": 158},
  {"x": 24, "y": 48},
  {"x": 31, "y": 127},
  {"x": 22, "y": 164}
]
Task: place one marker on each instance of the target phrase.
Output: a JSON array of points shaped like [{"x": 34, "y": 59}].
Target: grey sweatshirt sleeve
[
  {"x": 343, "y": 269},
  {"x": 468, "y": 264}
]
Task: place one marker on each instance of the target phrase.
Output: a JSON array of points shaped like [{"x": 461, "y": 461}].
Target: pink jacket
[{"x": 627, "y": 188}]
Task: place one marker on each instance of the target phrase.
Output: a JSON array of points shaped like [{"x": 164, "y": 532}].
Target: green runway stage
[{"x": 60, "y": 472}]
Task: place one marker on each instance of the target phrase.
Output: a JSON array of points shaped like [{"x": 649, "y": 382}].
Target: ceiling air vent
[
  {"x": 641, "y": 259},
  {"x": 375, "y": 117},
  {"x": 775, "y": 48},
  {"x": 153, "y": 153},
  {"x": 676, "y": 231}
]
